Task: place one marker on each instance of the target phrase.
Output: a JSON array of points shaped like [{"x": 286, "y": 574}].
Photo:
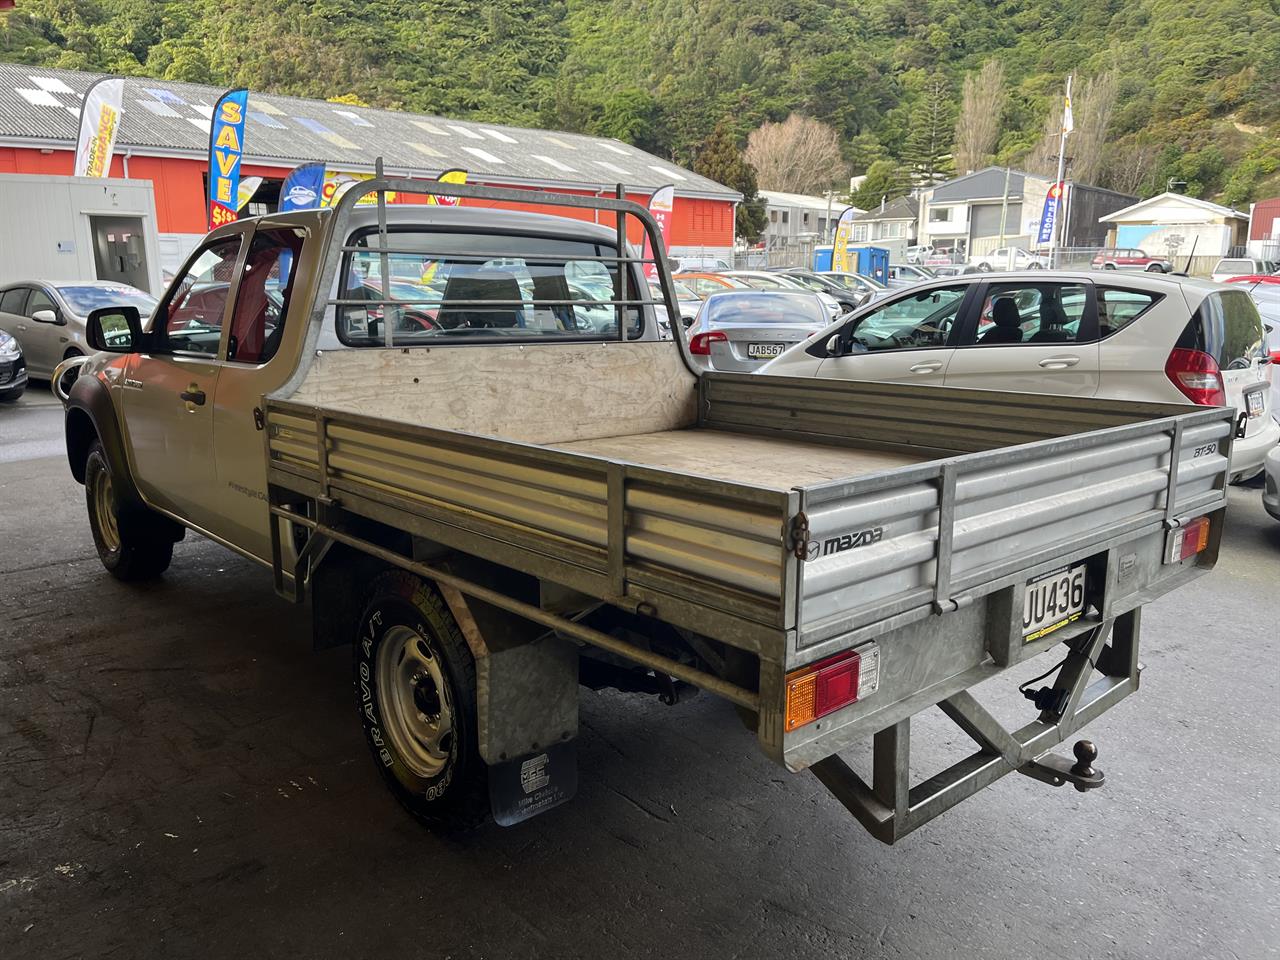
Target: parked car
[
  {"x": 700, "y": 264},
  {"x": 1129, "y": 258},
  {"x": 849, "y": 299},
  {"x": 953, "y": 269},
  {"x": 48, "y": 318},
  {"x": 1141, "y": 337},
  {"x": 1229, "y": 268},
  {"x": 764, "y": 280},
  {"x": 905, "y": 274},
  {"x": 13, "y": 368},
  {"x": 944, "y": 256},
  {"x": 704, "y": 284},
  {"x": 1010, "y": 258},
  {"x": 918, "y": 253},
  {"x": 1271, "y": 484},
  {"x": 739, "y": 331},
  {"x": 855, "y": 282}
]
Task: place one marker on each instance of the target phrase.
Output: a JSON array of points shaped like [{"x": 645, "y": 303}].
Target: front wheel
[
  {"x": 1154, "y": 268},
  {"x": 131, "y": 542},
  {"x": 415, "y": 687}
]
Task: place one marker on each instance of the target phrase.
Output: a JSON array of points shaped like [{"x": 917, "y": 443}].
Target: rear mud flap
[{"x": 533, "y": 784}]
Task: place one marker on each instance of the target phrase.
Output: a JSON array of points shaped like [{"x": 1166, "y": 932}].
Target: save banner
[
  {"x": 1049, "y": 217},
  {"x": 660, "y": 205},
  {"x": 301, "y": 189},
  {"x": 226, "y": 147},
  {"x": 844, "y": 233},
  {"x": 99, "y": 124}
]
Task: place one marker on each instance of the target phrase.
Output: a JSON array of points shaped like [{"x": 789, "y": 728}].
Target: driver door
[
  {"x": 168, "y": 394},
  {"x": 909, "y": 339}
]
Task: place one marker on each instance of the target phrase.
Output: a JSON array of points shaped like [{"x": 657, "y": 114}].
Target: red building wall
[{"x": 179, "y": 192}]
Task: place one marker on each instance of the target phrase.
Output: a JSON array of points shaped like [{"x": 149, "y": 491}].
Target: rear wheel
[
  {"x": 1154, "y": 268},
  {"x": 415, "y": 686},
  {"x": 132, "y": 543}
]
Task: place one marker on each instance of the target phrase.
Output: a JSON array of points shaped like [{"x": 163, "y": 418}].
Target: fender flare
[{"x": 91, "y": 415}]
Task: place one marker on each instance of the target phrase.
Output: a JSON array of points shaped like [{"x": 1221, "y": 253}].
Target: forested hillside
[{"x": 1193, "y": 85}]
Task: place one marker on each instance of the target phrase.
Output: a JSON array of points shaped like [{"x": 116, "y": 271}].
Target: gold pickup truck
[{"x": 458, "y": 432}]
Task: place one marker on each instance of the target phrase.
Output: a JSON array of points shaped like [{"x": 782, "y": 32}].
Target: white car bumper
[
  {"x": 1271, "y": 491},
  {"x": 1249, "y": 453}
]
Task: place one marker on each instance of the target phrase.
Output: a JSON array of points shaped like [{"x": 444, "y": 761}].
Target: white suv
[{"x": 1133, "y": 337}]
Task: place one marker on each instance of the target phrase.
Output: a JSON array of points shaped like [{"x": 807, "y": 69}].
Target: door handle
[
  {"x": 193, "y": 395},
  {"x": 1059, "y": 363},
  {"x": 926, "y": 366}
]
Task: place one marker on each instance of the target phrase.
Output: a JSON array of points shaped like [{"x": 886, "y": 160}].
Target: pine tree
[
  {"x": 927, "y": 152},
  {"x": 720, "y": 159}
]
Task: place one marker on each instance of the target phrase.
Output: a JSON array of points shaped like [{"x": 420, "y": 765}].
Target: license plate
[
  {"x": 764, "y": 351},
  {"x": 1052, "y": 601},
  {"x": 1253, "y": 403}
]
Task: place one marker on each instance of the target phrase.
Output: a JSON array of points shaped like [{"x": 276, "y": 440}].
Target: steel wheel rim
[
  {"x": 104, "y": 506},
  {"x": 415, "y": 701}
]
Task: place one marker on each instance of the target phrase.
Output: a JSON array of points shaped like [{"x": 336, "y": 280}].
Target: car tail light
[
  {"x": 1196, "y": 374},
  {"x": 700, "y": 345},
  {"x": 1186, "y": 540},
  {"x": 824, "y": 687}
]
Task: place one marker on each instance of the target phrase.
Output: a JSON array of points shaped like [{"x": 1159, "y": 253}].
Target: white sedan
[{"x": 1133, "y": 337}]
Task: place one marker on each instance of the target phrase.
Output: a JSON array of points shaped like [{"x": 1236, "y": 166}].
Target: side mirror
[
  {"x": 834, "y": 347},
  {"x": 47, "y": 316},
  {"x": 115, "y": 329}
]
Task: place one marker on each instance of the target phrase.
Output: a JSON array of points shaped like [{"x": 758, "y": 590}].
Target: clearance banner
[
  {"x": 457, "y": 176},
  {"x": 840, "y": 251},
  {"x": 99, "y": 124},
  {"x": 226, "y": 147},
  {"x": 336, "y": 183},
  {"x": 661, "y": 204}
]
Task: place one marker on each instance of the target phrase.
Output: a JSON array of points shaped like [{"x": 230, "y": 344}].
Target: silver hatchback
[{"x": 741, "y": 330}]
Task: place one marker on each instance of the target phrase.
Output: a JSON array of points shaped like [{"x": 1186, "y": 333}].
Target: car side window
[
  {"x": 39, "y": 301},
  {"x": 262, "y": 300},
  {"x": 194, "y": 312},
  {"x": 1118, "y": 308},
  {"x": 12, "y": 301},
  {"x": 922, "y": 320},
  {"x": 1032, "y": 313}
]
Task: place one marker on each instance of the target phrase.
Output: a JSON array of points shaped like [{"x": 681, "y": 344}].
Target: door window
[
  {"x": 1033, "y": 313},
  {"x": 11, "y": 301},
  {"x": 919, "y": 321},
  {"x": 262, "y": 300},
  {"x": 40, "y": 301},
  {"x": 193, "y": 320},
  {"x": 1119, "y": 308}
]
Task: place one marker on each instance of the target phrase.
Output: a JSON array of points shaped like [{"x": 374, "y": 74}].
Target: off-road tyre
[
  {"x": 406, "y": 628},
  {"x": 132, "y": 542}
]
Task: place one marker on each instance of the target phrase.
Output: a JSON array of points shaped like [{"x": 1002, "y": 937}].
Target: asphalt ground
[{"x": 180, "y": 776}]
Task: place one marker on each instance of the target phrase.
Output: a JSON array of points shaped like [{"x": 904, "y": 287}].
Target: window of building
[
  {"x": 940, "y": 214},
  {"x": 785, "y": 215},
  {"x": 860, "y": 233},
  {"x": 894, "y": 229},
  {"x": 773, "y": 216}
]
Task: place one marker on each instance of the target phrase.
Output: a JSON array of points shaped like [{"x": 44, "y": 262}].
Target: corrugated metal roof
[
  {"x": 984, "y": 184},
  {"x": 43, "y": 105}
]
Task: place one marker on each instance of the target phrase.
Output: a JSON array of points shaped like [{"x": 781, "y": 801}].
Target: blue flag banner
[
  {"x": 226, "y": 147},
  {"x": 302, "y": 188},
  {"x": 1049, "y": 217}
]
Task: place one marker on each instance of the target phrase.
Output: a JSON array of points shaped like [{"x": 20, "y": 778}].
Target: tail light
[
  {"x": 1187, "y": 540},
  {"x": 700, "y": 345},
  {"x": 824, "y": 687},
  {"x": 1197, "y": 376}
]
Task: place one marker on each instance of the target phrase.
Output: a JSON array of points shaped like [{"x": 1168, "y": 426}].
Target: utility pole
[
  {"x": 1004, "y": 209},
  {"x": 1068, "y": 123}
]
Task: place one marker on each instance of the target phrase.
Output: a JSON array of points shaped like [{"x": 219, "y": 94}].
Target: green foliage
[
  {"x": 720, "y": 158},
  {"x": 885, "y": 180},
  {"x": 1200, "y": 76}
]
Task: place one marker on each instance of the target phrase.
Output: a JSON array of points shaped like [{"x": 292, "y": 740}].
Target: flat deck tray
[{"x": 775, "y": 463}]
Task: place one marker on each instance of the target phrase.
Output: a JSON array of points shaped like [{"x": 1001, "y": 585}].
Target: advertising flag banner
[
  {"x": 1068, "y": 120},
  {"x": 99, "y": 124},
  {"x": 1049, "y": 216},
  {"x": 226, "y": 147},
  {"x": 248, "y": 187},
  {"x": 337, "y": 181},
  {"x": 840, "y": 251},
  {"x": 456, "y": 175},
  {"x": 301, "y": 188},
  {"x": 661, "y": 203}
]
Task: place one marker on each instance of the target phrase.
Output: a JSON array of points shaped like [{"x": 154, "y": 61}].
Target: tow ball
[{"x": 1056, "y": 771}]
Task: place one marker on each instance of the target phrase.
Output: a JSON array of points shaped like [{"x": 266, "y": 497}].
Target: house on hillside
[
  {"x": 999, "y": 206},
  {"x": 1174, "y": 225},
  {"x": 1264, "y": 229},
  {"x": 895, "y": 220}
]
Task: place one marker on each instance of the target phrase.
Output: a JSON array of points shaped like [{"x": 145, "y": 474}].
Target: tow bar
[{"x": 1055, "y": 771}]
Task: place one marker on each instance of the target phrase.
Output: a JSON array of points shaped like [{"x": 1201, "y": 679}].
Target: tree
[
  {"x": 1092, "y": 103},
  {"x": 720, "y": 159},
  {"x": 884, "y": 181},
  {"x": 798, "y": 155},
  {"x": 927, "y": 153},
  {"x": 978, "y": 126}
]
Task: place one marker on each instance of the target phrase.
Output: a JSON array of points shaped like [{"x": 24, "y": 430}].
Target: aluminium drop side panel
[{"x": 931, "y": 537}]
